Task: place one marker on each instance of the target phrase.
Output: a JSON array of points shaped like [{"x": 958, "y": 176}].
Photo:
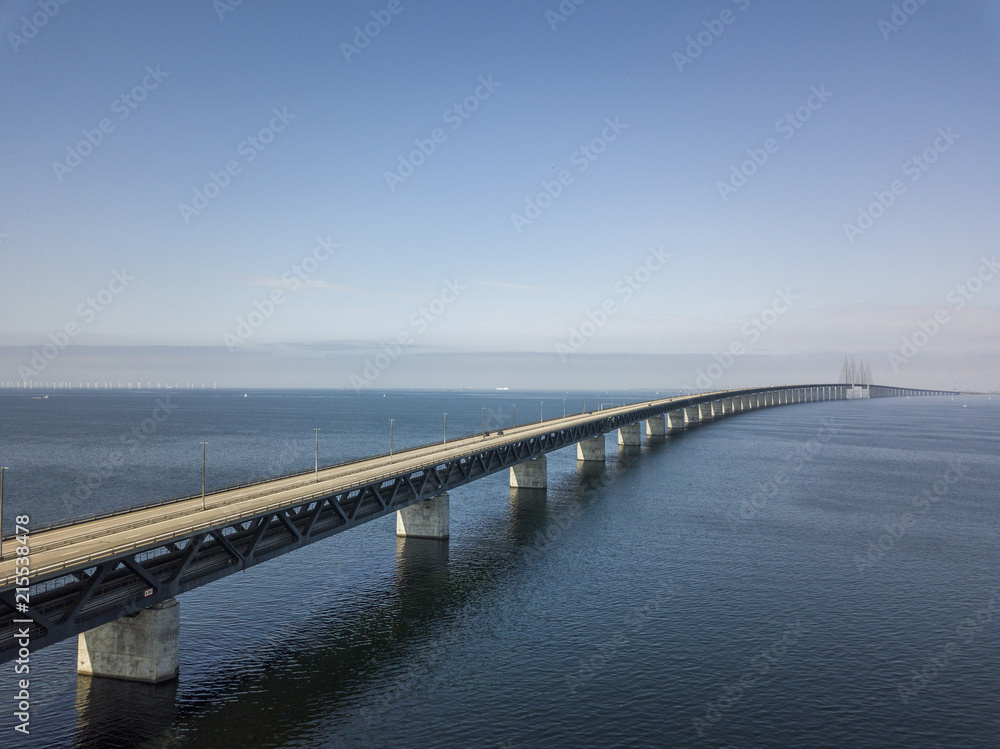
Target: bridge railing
[
  {"x": 77, "y": 519},
  {"x": 694, "y": 397}
]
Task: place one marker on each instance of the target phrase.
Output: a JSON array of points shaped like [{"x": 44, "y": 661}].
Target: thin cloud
[
  {"x": 503, "y": 285},
  {"x": 293, "y": 284}
]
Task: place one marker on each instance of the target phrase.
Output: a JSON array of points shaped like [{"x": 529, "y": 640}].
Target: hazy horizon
[
  {"x": 358, "y": 368},
  {"x": 544, "y": 194}
]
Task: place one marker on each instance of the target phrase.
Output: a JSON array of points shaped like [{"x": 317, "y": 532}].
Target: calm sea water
[{"x": 818, "y": 575}]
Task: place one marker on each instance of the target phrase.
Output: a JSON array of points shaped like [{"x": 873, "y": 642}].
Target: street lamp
[
  {"x": 203, "y": 444},
  {"x": 2, "y": 469},
  {"x": 390, "y": 437},
  {"x": 484, "y": 422},
  {"x": 316, "y": 473},
  {"x": 564, "y": 408},
  {"x": 515, "y": 416},
  {"x": 541, "y": 411},
  {"x": 445, "y": 440}
]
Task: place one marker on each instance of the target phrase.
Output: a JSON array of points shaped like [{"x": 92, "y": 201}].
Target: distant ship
[{"x": 503, "y": 388}]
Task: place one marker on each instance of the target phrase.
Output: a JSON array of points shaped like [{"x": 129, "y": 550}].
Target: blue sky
[{"x": 532, "y": 90}]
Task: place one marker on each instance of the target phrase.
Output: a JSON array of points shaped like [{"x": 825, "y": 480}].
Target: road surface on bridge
[{"x": 100, "y": 538}]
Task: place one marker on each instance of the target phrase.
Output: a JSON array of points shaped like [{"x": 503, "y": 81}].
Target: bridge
[{"x": 112, "y": 579}]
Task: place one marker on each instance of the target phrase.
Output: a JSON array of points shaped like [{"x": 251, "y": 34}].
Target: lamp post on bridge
[
  {"x": 445, "y": 440},
  {"x": 203, "y": 448},
  {"x": 2, "y": 469},
  {"x": 484, "y": 422},
  {"x": 541, "y": 411},
  {"x": 564, "y": 408},
  {"x": 515, "y": 416},
  {"x": 316, "y": 469},
  {"x": 390, "y": 438}
]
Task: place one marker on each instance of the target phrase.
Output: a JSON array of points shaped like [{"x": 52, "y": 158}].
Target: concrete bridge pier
[
  {"x": 140, "y": 647},
  {"x": 677, "y": 421},
  {"x": 704, "y": 411},
  {"x": 747, "y": 403},
  {"x": 656, "y": 426},
  {"x": 630, "y": 434},
  {"x": 692, "y": 416},
  {"x": 591, "y": 449},
  {"x": 718, "y": 409},
  {"x": 532, "y": 474},
  {"x": 426, "y": 519}
]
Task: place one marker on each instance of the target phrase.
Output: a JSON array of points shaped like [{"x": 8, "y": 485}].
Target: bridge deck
[{"x": 94, "y": 540}]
